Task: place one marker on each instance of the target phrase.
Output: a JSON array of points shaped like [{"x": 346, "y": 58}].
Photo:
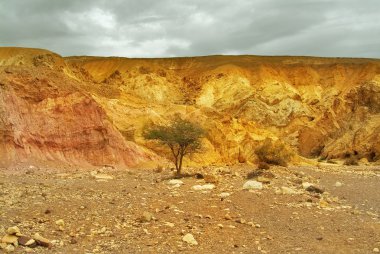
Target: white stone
[
  {"x": 175, "y": 182},
  {"x": 203, "y": 187},
  {"x": 224, "y": 194},
  {"x": 103, "y": 177},
  {"x": 252, "y": 185},
  {"x": 338, "y": 184},
  {"x": 189, "y": 238},
  {"x": 376, "y": 250}
]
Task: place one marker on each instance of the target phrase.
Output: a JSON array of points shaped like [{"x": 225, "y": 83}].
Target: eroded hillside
[{"x": 92, "y": 109}]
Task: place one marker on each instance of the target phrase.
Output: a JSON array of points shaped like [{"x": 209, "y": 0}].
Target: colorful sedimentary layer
[{"x": 92, "y": 109}]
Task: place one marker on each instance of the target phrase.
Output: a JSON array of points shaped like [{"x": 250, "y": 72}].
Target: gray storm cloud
[{"x": 149, "y": 28}]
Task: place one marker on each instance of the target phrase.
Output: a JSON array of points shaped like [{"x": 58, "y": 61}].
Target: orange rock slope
[{"x": 91, "y": 110}]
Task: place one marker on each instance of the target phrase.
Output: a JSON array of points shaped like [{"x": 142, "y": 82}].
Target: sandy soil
[{"x": 139, "y": 211}]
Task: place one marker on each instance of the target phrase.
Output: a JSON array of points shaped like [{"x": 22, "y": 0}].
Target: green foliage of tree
[{"x": 181, "y": 136}]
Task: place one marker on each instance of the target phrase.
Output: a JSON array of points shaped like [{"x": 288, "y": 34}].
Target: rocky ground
[{"x": 325, "y": 209}]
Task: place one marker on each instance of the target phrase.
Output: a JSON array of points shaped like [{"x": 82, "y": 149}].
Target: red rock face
[{"x": 40, "y": 119}]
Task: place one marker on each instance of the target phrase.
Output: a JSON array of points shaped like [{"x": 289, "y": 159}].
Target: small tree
[{"x": 181, "y": 136}]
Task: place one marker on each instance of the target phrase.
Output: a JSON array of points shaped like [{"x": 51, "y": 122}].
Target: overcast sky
[{"x": 165, "y": 28}]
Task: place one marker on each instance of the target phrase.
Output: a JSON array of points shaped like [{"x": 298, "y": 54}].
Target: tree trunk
[
  {"x": 180, "y": 164},
  {"x": 176, "y": 164}
]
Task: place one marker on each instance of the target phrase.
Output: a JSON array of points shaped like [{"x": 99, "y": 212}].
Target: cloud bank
[{"x": 166, "y": 28}]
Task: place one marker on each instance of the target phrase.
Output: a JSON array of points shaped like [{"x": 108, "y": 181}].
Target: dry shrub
[
  {"x": 255, "y": 173},
  {"x": 159, "y": 169},
  {"x": 273, "y": 152},
  {"x": 263, "y": 165},
  {"x": 351, "y": 161}
]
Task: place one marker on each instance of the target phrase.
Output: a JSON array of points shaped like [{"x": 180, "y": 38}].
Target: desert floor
[{"x": 144, "y": 211}]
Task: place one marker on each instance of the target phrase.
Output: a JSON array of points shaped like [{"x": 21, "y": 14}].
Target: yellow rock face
[{"x": 316, "y": 106}]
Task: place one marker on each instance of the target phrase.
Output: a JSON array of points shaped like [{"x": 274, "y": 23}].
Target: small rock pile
[{"x": 15, "y": 238}]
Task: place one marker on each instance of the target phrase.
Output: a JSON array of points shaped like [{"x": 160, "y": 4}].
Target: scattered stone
[
  {"x": 13, "y": 231},
  {"x": 203, "y": 187},
  {"x": 338, "y": 184},
  {"x": 287, "y": 190},
  {"x": 9, "y": 248},
  {"x": 189, "y": 238},
  {"x": 175, "y": 182},
  {"x": 241, "y": 221},
  {"x": 315, "y": 188},
  {"x": 27, "y": 242},
  {"x": 323, "y": 204},
  {"x": 73, "y": 241},
  {"x": 220, "y": 225},
  {"x": 61, "y": 224},
  {"x": 252, "y": 185},
  {"x": 376, "y": 250},
  {"x": 146, "y": 217},
  {"x": 224, "y": 194},
  {"x": 103, "y": 177},
  {"x": 227, "y": 217},
  {"x": 42, "y": 241},
  {"x": 169, "y": 224},
  {"x": 10, "y": 239},
  {"x": 306, "y": 185}
]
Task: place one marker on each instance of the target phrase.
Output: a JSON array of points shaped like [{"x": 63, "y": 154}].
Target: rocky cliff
[{"x": 92, "y": 109}]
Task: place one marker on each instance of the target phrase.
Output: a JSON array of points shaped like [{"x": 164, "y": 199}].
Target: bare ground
[{"x": 104, "y": 215}]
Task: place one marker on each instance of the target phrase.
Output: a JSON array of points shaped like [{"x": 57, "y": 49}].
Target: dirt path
[{"x": 142, "y": 212}]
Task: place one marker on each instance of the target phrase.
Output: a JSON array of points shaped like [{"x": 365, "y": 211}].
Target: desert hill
[{"x": 91, "y": 110}]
